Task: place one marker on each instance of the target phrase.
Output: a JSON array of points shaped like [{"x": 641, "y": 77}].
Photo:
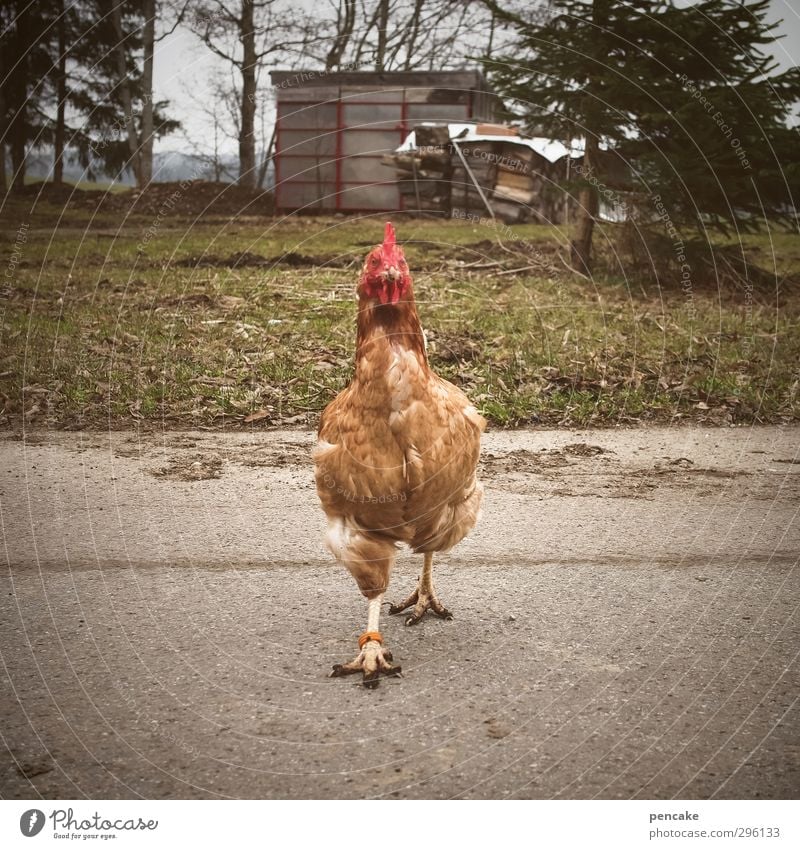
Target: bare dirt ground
[{"x": 626, "y": 623}]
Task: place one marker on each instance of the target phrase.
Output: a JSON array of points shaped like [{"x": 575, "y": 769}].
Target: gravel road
[{"x": 626, "y": 623}]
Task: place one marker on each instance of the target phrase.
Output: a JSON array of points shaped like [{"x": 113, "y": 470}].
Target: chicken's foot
[
  {"x": 373, "y": 659},
  {"x": 423, "y": 598}
]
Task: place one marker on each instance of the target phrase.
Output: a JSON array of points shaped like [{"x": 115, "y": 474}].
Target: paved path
[{"x": 626, "y": 624}]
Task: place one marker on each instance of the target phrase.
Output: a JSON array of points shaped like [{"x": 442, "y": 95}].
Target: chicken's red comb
[{"x": 388, "y": 235}]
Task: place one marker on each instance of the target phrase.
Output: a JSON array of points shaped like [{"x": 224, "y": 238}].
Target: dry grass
[{"x": 109, "y": 323}]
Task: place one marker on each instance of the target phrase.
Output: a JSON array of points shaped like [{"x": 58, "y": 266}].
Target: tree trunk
[
  {"x": 217, "y": 163},
  {"x": 147, "y": 136},
  {"x": 581, "y": 246},
  {"x": 61, "y": 95},
  {"x": 3, "y": 130},
  {"x": 588, "y": 200},
  {"x": 18, "y": 151},
  {"x": 383, "y": 24},
  {"x": 413, "y": 34},
  {"x": 125, "y": 89},
  {"x": 247, "y": 131},
  {"x": 266, "y": 159},
  {"x": 17, "y": 96},
  {"x": 345, "y": 24}
]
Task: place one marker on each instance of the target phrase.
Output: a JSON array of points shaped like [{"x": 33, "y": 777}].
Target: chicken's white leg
[
  {"x": 423, "y": 598},
  {"x": 373, "y": 659}
]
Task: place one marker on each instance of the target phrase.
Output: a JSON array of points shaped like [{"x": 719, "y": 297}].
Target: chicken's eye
[{"x": 375, "y": 262}]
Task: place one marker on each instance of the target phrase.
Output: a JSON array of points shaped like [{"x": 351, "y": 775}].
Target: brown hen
[{"x": 396, "y": 457}]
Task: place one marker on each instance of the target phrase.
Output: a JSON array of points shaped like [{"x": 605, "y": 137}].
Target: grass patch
[{"x": 109, "y": 323}]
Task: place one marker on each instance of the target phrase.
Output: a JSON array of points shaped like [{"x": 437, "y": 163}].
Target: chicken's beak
[{"x": 390, "y": 294}]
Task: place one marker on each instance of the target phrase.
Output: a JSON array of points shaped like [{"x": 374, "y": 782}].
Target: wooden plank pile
[
  {"x": 467, "y": 178},
  {"x": 502, "y": 171},
  {"x": 424, "y": 173}
]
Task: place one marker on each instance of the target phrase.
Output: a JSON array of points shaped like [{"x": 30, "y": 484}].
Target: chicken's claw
[
  {"x": 437, "y": 609},
  {"x": 404, "y": 605},
  {"x": 422, "y": 603},
  {"x": 373, "y": 660},
  {"x": 440, "y": 610}
]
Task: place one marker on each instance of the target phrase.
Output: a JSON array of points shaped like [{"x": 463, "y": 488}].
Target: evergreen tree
[
  {"x": 686, "y": 94},
  {"x": 116, "y": 118},
  {"x": 78, "y": 76},
  {"x": 719, "y": 145},
  {"x": 26, "y": 42}
]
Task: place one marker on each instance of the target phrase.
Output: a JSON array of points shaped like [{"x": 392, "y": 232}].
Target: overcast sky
[
  {"x": 788, "y": 48},
  {"x": 183, "y": 67}
]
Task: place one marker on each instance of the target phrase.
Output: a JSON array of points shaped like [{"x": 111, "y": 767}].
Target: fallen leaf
[{"x": 257, "y": 416}]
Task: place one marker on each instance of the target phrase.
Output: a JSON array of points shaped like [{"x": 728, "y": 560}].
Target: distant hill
[
  {"x": 168, "y": 166},
  {"x": 173, "y": 166}
]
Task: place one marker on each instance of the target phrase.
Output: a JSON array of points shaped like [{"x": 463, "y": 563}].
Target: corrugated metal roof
[{"x": 548, "y": 148}]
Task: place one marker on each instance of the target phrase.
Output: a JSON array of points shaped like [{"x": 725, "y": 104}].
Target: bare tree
[
  {"x": 249, "y": 68},
  {"x": 268, "y": 149},
  {"x": 406, "y": 35},
  {"x": 140, "y": 141},
  {"x": 121, "y": 56},
  {"x": 250, "y": 34},
  {"x": 146, "y": 155},
  {"x": 220, "y": 109},
  {"x": 61, "y": 96}
]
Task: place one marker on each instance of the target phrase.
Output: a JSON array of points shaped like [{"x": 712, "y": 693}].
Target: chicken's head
[{"x": 385, "y": 275}]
